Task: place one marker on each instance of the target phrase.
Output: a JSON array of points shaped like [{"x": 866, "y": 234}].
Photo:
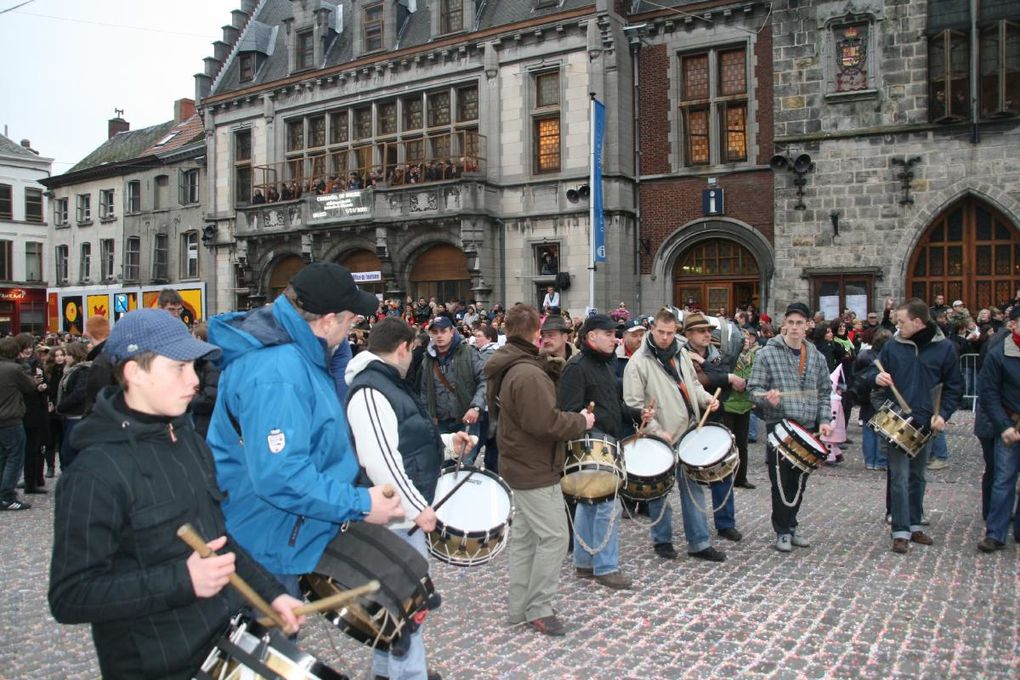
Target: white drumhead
[
  {"x": 646, "y": 457},
  {"x": 481, "y": 504},
  {"x": 707, "y": 446}
]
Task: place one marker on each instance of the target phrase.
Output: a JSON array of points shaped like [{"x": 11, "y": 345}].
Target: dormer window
[
  {"x": 373, "y": 27},
  {"x": 451, "y": 17},
  {"x": 305, "y": 56},
  {"x": 247, "y": 67}
]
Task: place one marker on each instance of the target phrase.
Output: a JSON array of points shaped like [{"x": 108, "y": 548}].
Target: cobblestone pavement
[{"x": 845, "y": 608}]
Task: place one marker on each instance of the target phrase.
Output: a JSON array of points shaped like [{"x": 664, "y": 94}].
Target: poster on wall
[
  {"x": 192, "y": 297},
  {"x": 124, "y": 303},
  {"x": 98, "y": 305},
  {"x": 72, "y": 313},
  {"x": 53, "y": 309}
]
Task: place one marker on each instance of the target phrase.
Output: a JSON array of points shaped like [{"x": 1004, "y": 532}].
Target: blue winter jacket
[
  {"x": 290, "y": 473},
  {"x": 915, "y": 372},
  {"x": 999, "y": 392}
]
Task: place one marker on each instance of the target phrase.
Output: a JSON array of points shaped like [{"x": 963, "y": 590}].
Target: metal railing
[{"x": 968, "y": 369}]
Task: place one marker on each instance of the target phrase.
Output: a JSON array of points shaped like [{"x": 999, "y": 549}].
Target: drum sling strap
[
  {"x": 250, "y": 661},
  {"x": 683, "y": 390}
]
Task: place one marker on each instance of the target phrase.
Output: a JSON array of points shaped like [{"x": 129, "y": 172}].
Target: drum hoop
[{"x": 484, "y": 535}]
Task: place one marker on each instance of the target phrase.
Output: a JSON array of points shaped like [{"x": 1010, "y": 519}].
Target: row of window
[
  {"x": 187, "y": 194},
  {"x": 33, "y": 261},
  {"x": 132, "y": 259},
  {"x": 33, "y": 203}
]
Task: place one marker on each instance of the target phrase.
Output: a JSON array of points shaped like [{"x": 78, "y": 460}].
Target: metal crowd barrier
[{"x": 968, "y": 367}]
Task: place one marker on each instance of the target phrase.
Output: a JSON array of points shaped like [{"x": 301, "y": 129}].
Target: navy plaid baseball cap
[{"x": 155, "y": 330}]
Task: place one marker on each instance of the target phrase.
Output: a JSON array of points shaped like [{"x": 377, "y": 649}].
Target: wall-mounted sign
[
  {"x": 366, "y": 277},
  {"x": 342, "y": 205},
  {"x": 712, "y": 201}
]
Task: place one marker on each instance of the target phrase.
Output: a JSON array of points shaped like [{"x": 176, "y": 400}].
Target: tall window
[
  {"x": 159, "y": 257},
  {"x": 60, "y": 212},
  {"x": 305, "y": 57},
  {"x": 132, "y": 258},
  {"x": 33, "y": 205},
  {"x": 134, "y": 196},
  {"x": 999, "y": 56},
  {"x": 6, "y": 260},
  {"x": 60, "y": 261},
  {"x": 247, "y": 61},
  {"x": 105, "y": 203},
  {"x": 451, "y": 16},
  {"x": 6, "y": 202},
  {"x": 713, "y": 106},
  {"x": 949, "y": 76},
  {"x": 187, "y": 187},
  {"x": 85, "y": 262},
  {"x": 546, "y": 122},
  {"x": 159, "y": 196},
  {"x": 84, "y": 208},
  {"x": 106, "y": 258},
  {"x": 189, "y": 255},
  {"x": 33, "y": 261},
  {"x": 242, "y": 166},
  {"x": 373, "y": 27}
]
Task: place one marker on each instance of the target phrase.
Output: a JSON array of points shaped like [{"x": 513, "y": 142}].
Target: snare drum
[
  {"x": 358, "y": 555},
  {"x": 896, "y": 429},
  {"x": 798, "y": 446},
  {"x": 708, "y": 454},
  {"x": 248, "y": 651},
  {"x": 472, "y": 526},
  {"x": 651, "y": 468},
  {"x": 593, "y": 471}
]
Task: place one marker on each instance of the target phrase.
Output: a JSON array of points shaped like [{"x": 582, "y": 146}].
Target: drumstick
[
  {"x": 591, "y": 407},
  {"x": 189, "y": 535},
  {"x": 704, "y": 417},
  {"x": 388, "y": 491},
  {"x": 330, "y": 602},
  {"x": 896, "y": 393},
  {"x": 644, "y": 421},
  {"x": 410, "y": 532},
  {"x": 938, "y": 400}
]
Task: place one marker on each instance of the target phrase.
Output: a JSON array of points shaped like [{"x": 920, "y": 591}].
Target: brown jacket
[{"x": 530, "y": 429}]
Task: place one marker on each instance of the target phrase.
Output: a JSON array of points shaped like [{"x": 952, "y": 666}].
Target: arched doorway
[
  {"x": 970, "y": 252},
  {"x": 362, "y": 261},
  {"x": 441, "y": 272},
  {"x": 283, "y": 271},
  {"x": 716, "y": 273}
]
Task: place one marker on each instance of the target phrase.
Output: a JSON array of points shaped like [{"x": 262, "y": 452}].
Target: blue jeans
[
  {"x": 1000, "y": 509},
  {"x": 695, "y": 521},
  {"x": 412, "y": 665},
  {"x": 906, "y": 489},
  {"x": 873, "y": 453},
  {"x": 752, "y": 428},
  {"x": 591, "y": 520},
  {"x": 12, "y": 460},
  {"x": 67, "y": 452},
  {"x": 939, "y": 449}
]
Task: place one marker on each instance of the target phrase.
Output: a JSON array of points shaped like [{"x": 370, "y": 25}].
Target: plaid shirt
[{"x": 776, "y": 367}]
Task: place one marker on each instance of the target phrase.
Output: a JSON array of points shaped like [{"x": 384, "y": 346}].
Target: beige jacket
[{"x": 645, "y": 379}]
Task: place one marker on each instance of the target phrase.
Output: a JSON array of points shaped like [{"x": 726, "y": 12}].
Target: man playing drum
[
  {"x": 661, "y": 371},
  {"x": 530, "y": 431},
  {"x": 789, "y": 364},
  {"x": 589, "y": 377},
  {"x": 917, "y": 360}
]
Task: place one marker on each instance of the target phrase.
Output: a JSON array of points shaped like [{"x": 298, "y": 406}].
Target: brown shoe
[
  {"x": 549, "y": 625},
  {"x": 921, "y": 537},
  {"x": 584, "y": 572},
  {"x": 900, "y": 545},
  {"x": 615, "y": 580}
]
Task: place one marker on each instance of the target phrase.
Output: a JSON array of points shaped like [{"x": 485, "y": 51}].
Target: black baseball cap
[{"x": 327, "y": 287}]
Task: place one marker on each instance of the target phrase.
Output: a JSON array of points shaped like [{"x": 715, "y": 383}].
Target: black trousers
[
  {"x": 35, "y": 437},
  {"x": 792, "y": 481},
  {"x": 739, "y": 423}
]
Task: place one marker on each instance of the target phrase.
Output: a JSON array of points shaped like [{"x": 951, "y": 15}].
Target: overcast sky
[{"x": 67, "y": 64}]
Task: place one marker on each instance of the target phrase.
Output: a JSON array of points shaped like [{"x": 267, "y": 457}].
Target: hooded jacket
[
  {"x": 288, "y": 464},
  {"x": 531, "y": 430},
  {"x": 117, "y": 561}
]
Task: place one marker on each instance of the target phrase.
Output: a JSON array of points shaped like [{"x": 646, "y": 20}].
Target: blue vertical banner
[{"x": 597, "y": 217}]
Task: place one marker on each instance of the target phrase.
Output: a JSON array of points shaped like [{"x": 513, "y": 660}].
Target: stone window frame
[
  {"x": 190, "y": 259},
  {"x": 60, "y": 212},
  {"x": 106, "y": 204},
  {"x": 827, "y": 28},
  {"x": 85, "y": 261},
  {"x": 132, "y": 258},
  {"x": 535, "y": 115},
  {"x": 61, "y": 256},
  {"x": 720, "y": 40},
  {"x": 107, "y": 258}
]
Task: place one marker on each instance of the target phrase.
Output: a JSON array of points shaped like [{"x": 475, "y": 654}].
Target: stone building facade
[
  {"x": 905, "y": 119},
  {"x": 439, "y": 150}
]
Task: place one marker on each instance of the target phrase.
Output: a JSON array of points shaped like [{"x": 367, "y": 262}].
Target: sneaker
[
  {"x": 869, "y": 467},
  {"x": 709, "y": 554},
  {"x": 549, "y": 625},
  {"x": 15, "y": 505},
  {"x": 989, "y": 544},
  {"x": 665, "y": 551},
  {"x": 938, "y": 464},
  {"x": 584, "y": 572},
  {"x": 615, "y": 580},
  {"x": 900, "y": 545},
  {"x": 921, "y": 537},
  {"x": 730, "y": 534},
  {"x": 881, "y": 468},
  {"x": 924, "y": 519},
  {"x": 783, "y": 543},
  {"x": 888, "y": 518},
  {"x": 799, "y": 541}
]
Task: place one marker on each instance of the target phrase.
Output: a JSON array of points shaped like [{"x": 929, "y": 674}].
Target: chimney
[
  {"x": 183, "y": 110},
  {"x": 28, "y": 145},
  {"x": 117, "y": 124}
]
